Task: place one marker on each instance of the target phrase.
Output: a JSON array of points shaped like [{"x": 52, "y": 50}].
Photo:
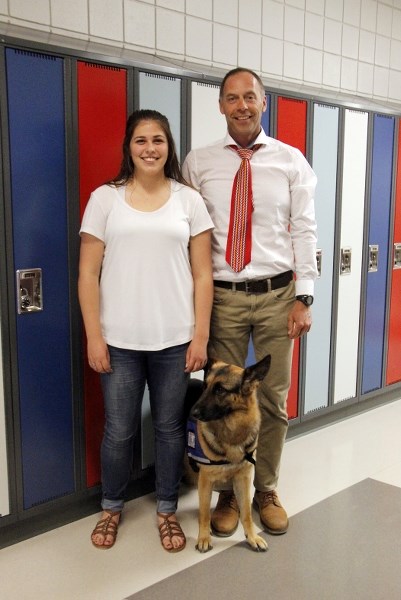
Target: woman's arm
[
  {"x": 201, "y": 265},
  {"x": 90, "y": 264}
]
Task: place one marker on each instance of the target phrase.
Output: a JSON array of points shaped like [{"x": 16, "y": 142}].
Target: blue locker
[
  {"x": 266, "y": 116},
  {"x": 4, "y": 483},
  {"x": 379, "y": 225},
  {"x": 35, "y": 92}
]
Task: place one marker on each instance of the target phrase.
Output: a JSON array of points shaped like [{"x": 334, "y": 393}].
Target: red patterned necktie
[{"x": 239, "y": 241}]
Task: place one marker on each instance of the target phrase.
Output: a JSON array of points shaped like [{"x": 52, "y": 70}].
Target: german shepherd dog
[{"x": 222, "y": 434}]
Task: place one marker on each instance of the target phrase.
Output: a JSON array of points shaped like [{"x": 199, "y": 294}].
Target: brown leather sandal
[
  {"x": 106, "y": 527},
  {"x": 171, "y": 529}
]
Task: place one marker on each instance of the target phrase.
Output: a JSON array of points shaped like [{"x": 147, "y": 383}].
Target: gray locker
[
  {"x": 163, "y": 93},
  {"x": 324, "y": 163}
]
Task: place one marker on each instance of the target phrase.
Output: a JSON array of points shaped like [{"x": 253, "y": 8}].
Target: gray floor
[
  {"x": 347, "y": 547},
  {"x": 341, "y": 486}
]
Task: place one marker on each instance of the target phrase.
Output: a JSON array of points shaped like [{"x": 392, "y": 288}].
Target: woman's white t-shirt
[{"x": 146, "y": 284}]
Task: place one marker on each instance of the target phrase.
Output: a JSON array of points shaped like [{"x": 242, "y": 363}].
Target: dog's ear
[{"x": 254, "y": 374}]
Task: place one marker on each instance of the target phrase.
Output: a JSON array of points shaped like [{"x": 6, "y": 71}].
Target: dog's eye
[{"x": 219, "y": 390}]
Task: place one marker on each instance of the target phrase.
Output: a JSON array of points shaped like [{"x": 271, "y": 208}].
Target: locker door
[
  {"x": 4, "y": 498},
  {"x": 102, "y": 115},
  {"x": 393, "y": 373},
  {"x": 205, "y": 102},
  {"x": 379, "y": 224},
  {"x": 163, "y": 93},
  {"x": 291, "y": 129},
  {"x": 207, "y": 123},
  {"x": 251, "y": 359},
  {"x": 318, "y": 343},
  {"x": 266, "y": 116},
  {"x": 4, "y": 481},
  {"x": 35, "y": 93},
  {"x": 350, "y": 259}
]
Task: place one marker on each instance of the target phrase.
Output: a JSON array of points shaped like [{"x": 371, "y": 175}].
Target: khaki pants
[{"x": 237, "y": 317}]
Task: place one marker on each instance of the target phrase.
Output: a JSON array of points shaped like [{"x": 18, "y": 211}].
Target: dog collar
[{"x": 196, "y": 454}]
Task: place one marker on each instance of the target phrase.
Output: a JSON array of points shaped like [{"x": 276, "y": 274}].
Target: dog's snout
[{"x": 195, "y": 412}]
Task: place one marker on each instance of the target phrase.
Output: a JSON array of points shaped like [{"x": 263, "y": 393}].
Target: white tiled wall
[{"x": 353, "y": 46}]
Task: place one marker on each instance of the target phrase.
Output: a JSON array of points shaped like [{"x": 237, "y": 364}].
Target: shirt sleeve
[
  {"x": 303, "y": 224},
  {"x": 95, "y": 216}
]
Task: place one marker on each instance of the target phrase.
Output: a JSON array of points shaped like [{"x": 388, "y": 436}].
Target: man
[{"x": 255, "y": 294}]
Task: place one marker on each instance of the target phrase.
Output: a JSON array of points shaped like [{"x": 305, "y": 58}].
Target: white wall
[{"x": 352, "y": 46}]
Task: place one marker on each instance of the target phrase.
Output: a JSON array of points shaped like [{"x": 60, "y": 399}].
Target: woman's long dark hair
[{"x": 172, "y": 167}]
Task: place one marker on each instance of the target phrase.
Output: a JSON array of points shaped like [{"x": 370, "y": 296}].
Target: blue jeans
[{"x": 123, "y": 390}]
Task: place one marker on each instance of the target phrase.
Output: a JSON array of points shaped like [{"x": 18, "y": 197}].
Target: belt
[{"x": 257, "y": 286}]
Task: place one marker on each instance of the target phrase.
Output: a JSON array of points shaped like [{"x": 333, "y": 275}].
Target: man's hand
[{"x": 299, "y": 320}]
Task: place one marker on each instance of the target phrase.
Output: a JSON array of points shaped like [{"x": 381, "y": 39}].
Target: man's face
[{"x": 243, "y": 103}]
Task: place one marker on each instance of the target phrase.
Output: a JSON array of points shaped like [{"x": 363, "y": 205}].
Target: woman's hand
[
  {"x": 98, "y": 356},
  {"x": 196, "y": 356}
]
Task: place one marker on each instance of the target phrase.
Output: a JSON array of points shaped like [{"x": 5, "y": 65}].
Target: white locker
[
  {"x": 350, "y": 260},
  {"x": 207, "y": 123}
]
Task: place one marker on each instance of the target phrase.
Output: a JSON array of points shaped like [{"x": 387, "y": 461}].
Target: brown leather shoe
[
  {"x": 225, "y": 516},
  {"x": 272, "y": 514}
]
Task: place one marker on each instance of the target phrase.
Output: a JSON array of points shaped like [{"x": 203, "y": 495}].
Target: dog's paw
[
  {"x": 204, "y": 544},
  {"x": 258, "y": 544}
]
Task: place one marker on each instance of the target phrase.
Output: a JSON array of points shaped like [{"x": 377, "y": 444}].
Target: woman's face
[{"x": 149, "y": 148}]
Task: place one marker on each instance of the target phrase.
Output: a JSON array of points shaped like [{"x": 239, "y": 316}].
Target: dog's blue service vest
[
  {"x": 194, "y": 449},
  {"x": 195, "y": 452}
]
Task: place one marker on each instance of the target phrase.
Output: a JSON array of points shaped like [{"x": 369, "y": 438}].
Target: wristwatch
[{"x": 307, "y": 300}]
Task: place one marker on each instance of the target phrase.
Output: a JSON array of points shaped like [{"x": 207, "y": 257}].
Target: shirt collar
[{"x": 262, "y": 138}]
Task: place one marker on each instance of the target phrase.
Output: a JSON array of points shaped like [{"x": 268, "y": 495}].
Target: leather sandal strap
[
  {"x": 107, "y": 526},
  {"x": 170, "y": 529}
]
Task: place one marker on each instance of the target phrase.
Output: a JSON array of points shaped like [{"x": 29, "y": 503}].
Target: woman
[{"x": 145, "y": 290}]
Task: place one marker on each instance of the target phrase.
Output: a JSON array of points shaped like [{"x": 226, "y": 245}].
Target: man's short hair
[{"x": 235, "y": 72}]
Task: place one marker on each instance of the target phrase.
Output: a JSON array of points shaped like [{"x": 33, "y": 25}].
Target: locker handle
[
  {"x": 319, "y": 262},
  {"x": 29, "y": 290},
  {"x": 345, "y": 263},
  {"x": 373, "y": 258},
  {"x": 397, "y": 256}
]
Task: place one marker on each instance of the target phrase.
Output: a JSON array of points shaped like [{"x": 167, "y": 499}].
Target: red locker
[
  {"x": 102, "y": 115},
  {"x": 393, "y": 373},
  {"x": 291, "y": 129}
]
